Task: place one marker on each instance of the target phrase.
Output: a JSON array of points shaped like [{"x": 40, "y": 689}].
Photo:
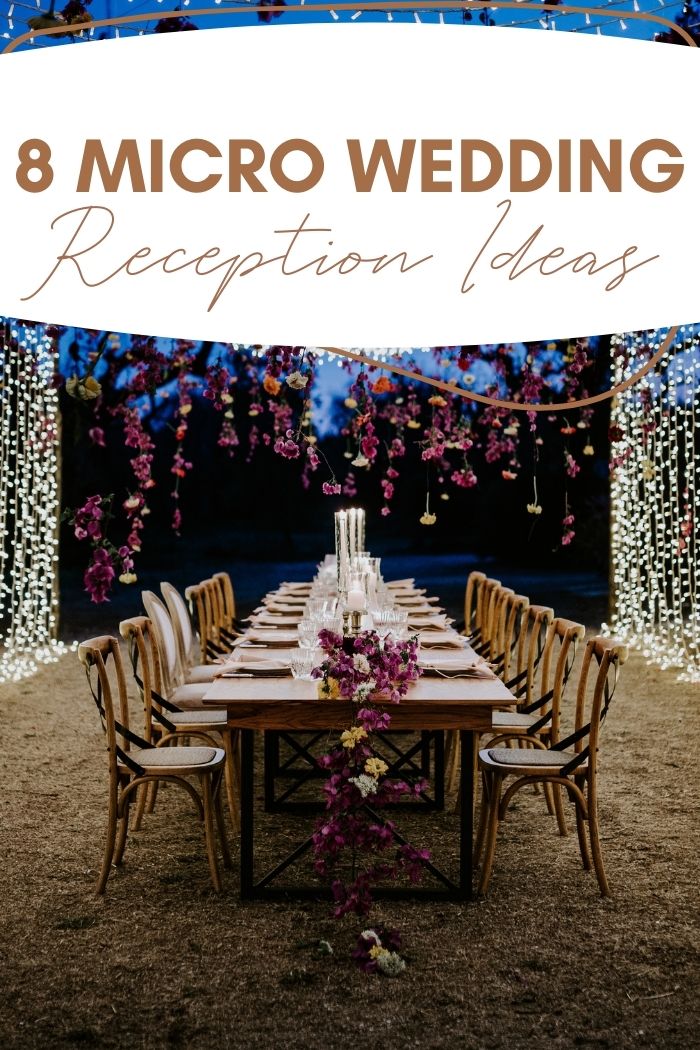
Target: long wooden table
[{"x": 257, "y": 704}]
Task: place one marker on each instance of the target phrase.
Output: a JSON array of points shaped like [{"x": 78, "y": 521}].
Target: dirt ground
[{"x": 161, "y": 961}]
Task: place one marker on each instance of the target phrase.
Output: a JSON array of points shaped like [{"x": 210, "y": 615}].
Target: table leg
[
  {"x": 466, "y": 813},
  {"x": 247, "y": 810},
  {"x": 271, "y": 746},
  {"x": 439, "y": 768}
]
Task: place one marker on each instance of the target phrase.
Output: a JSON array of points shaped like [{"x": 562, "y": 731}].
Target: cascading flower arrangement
[
  {"x": 268, "y": 398},
  {"x": 361, "y": 670}
]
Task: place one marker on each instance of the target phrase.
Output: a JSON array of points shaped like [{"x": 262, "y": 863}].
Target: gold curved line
[
  {"x": 514, "y": 406},
  {"x": 389, "y": 5}
]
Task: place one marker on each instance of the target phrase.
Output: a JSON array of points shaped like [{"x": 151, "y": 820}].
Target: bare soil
[{"x": 161, "y": 961}]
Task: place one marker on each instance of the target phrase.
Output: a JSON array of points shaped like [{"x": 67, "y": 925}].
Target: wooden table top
[{"x": 293, "y": 704}]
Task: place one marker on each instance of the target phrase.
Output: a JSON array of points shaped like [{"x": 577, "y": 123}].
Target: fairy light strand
[
  {"x": 29, "y": 501},
  {"x": 655, "y": 501}
]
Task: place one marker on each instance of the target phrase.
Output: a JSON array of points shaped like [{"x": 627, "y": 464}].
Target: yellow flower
[
  {"x": 377, "y": 952},
  {"x": 350, "y": 402},
  {"x": 534, "y": 508},
  {"x": 588, "y": 450},
  {"x": 329, "y": 690},
  {"x": 375, "y": 767},
  {"x": 92, "y": 388},
  {"x": 413, "y": 424},
  {"x": 352, "y": 737},
  {"x": 437, "y": 400},
  {"x": 128, "y": 577},
  {"x": 428, "y": 519},
  {"x": 185, "y": 409}
]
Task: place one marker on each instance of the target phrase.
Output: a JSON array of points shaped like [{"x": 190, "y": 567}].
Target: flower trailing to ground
[
  {"x": 378, "y": 951},
  {"x": 353, "y": 847}
]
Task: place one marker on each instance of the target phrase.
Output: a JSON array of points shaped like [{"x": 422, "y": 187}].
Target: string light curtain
[
  {"x": 655, "y": 485},
  {"x": 29, "y": 500}
]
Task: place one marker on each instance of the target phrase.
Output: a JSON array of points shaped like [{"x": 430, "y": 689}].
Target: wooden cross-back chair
[
  {"x": 488, "y": 599},
  {"x": 541, "y": 717},
  {"x": 166, "y": 721},
  {"x": 475, "y": 580},
  {"x": 134, "y": 764},
  {"x": 510, "y": 613},
  {"x": 525, "y": 683},
  {"x": 569, "y": 764},
  {"x": 181, "y": 683},
  {"x": 211, "y": 611}
]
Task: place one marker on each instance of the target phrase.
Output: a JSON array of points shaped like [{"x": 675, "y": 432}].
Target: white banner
[{"x": 353, "y": 184}]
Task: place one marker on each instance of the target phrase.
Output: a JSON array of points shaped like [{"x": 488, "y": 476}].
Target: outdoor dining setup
[{"x": 371, "y": 704}]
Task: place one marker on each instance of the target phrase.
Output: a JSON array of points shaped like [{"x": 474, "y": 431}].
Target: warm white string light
[
  {"x": 29, "y": 501},
  {"x": 655, "y": 500}
]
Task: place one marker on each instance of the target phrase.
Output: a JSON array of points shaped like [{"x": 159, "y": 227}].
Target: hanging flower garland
[{"x": 385, "y": 422}]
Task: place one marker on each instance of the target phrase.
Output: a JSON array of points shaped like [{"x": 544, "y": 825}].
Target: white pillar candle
[
  {"x": 361, "y": 530},
  {"x": 356, "y": 600}
]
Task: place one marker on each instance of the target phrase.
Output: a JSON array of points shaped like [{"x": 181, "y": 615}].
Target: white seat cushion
[
  {"x": 198, "y": 717},
  {"x": 180, "y": 757},
  {"x": 505, "y": 719},
  {"x": 532, "y": 759}
]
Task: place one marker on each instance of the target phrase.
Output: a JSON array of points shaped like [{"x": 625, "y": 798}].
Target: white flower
[
  {"x": 360, "y": 461},
  {"x": 128, "y": 577},
  {"x": 297, "y": 381},
  {"x": 361, "y": 663},
  {"x": 391, "y": 964},
  {"x": 534, "y": 508},
  {"x": 370, "y": 935},
  {"x": 428, "y": 518},
  {"x": 366, "y": 785},
  {"x": 588, "y": 450}
]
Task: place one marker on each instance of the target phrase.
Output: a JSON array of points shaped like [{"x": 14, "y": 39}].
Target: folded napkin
[
  {"x": 428, "y": 623},
  {"x": 459, "y": 672},
  {"x": 431, "y": 611},
  {"x": 288, "y": 605},
  {"x": 410, "y": 599},
  {"x": 270, "y": 619},
  {"x": 258, "y": 668},
  {"x": 255, "y": 652},
  {"x": 306, "y": 587},
  {"x": 440, "y": 640},
  {"x": 405, "y": 584},
  {"x": 270, "y": 636}
]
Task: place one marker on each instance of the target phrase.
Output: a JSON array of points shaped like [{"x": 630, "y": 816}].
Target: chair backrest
[
  {"x": 142, "y": 647},
  {"x": 101, "y": 657},
  {"x": 499, "y": 597},
  {"x": 224, "y": 581},
  {"x": 471, "y": 593},
  {"x": 557, "y": 664},
  {"x": 532, "y": 638},
  {"x": 166, "y": 641},
  {"x": 597, "y": 681},
  {"x": 182, "y": 624},
  {"x": 485, "y": 606},
  {"x": 513, "y": 608},
  {"x": 198, "y": 600}
]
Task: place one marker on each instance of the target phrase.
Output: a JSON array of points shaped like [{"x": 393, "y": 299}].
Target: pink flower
[
  {"x": 331, "y": 488},
  {"x": 97, "y": 436}
]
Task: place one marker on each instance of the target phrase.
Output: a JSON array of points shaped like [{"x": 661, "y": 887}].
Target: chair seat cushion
[
  {"x": 531, "y": 757},
  {"x": 202, "y": 673},
  {"x": 189, "y": 696},
  {"x": 505, "y": 719},
  {"x": 196, "y": 717},
  {"x": 156, "y": 757}
]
